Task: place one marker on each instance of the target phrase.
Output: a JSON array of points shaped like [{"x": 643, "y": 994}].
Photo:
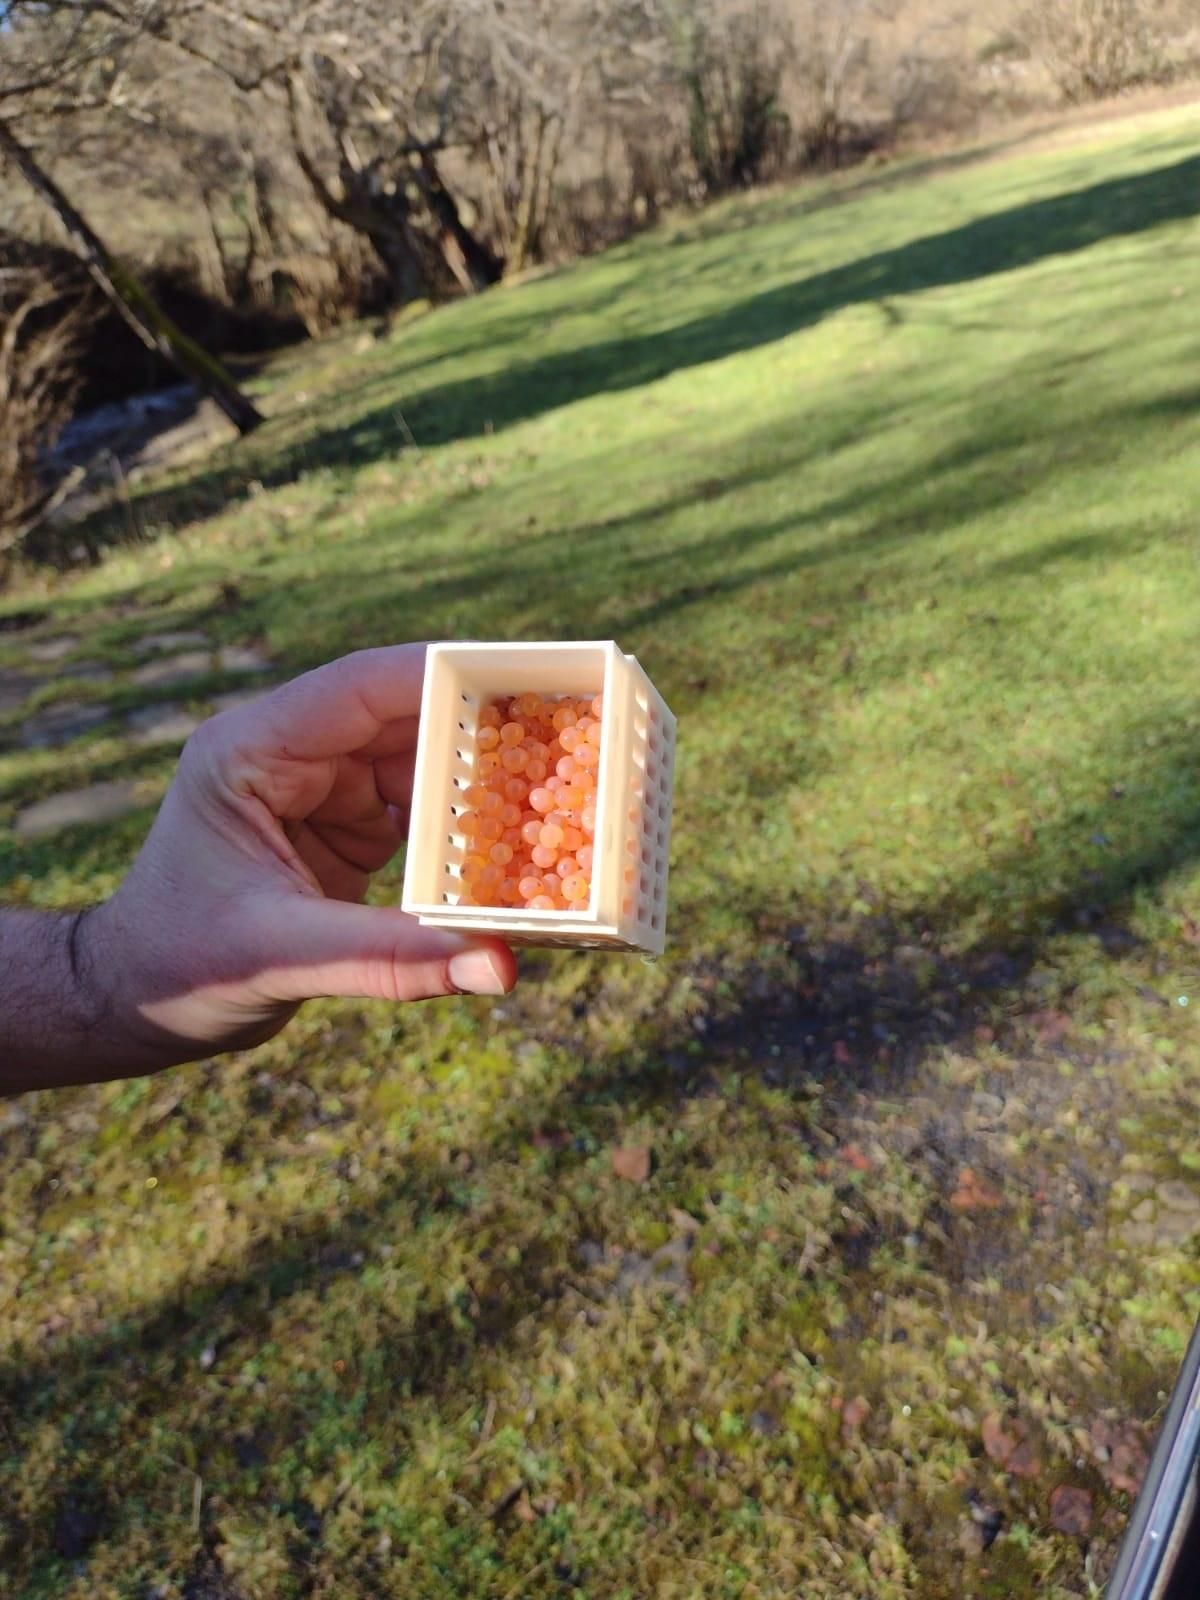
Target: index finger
[{"x": 344, "y": 706}]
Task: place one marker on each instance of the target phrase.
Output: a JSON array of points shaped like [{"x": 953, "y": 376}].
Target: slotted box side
[
  {"x": 643, "y": 812},
  {"x": 633, "y": 792}
]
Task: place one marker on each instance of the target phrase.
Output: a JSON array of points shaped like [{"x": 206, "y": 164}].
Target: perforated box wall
[{"x": 634, "y": 786}]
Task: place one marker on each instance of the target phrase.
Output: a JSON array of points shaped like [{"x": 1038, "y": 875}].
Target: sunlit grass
[{"x": 891, "y": 484}]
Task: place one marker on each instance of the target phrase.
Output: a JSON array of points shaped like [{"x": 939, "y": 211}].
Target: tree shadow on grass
[
  {"x": 863, "y": 1006},
  {"x": 1001, "y": 242}
]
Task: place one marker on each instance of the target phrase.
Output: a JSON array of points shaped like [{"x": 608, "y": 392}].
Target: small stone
[
  {"x": 165, "y": 724},
  {"x": 236, "y": 698},
  {"x": 1071, "y": 1511},
  {"x": 47, "y": 650},
  {"x": 1178, "y": 1196},
  {"x": 666, "y": 1271},
  {"x": 988, "y": 1520},
  {"x": 15, "y": 689},
  {"x": 58, "y": 725},
  {"x": 242, "y": 658},
  {"x": 1144, "y": 1211},
  {"x": 155, "y": 644},
  {"x": 103, "y": 802},
  {"x": 970, "y": 1539},
  {"x": 173, "y": 669},
  {"x": 1173, "y": 1228},
  {"x": 88, "y": 672},
  {"x": 989, "y": 1106}
]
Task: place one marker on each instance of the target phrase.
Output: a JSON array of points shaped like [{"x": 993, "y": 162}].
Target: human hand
[{"x": 244, "y": 900}]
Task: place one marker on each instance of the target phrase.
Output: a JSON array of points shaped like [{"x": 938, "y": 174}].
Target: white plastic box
[{"x": 627, "y": 909}]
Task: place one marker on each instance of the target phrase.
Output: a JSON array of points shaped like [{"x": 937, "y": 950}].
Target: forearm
[{"x": 62, "y": 1017}]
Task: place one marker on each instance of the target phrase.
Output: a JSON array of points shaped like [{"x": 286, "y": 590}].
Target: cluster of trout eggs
[{"x": 532, "y": 804}]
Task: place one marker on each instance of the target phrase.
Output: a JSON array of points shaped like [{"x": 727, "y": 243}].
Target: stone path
[
  {"x": 1167, "y": 1215},
  {"x": 164, "y": 724},
  {"x": 168, "y": 658},
  {"x": 59, "y": 724},
  {"x": 101, "y": 802},
  {"x": 173, "y": 669}
]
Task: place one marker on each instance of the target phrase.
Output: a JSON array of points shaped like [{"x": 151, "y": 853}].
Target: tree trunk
[
  {"x": 382, "y": 219},
  {"x": 468, "y": 258},
  {"x": 139, "y": 309}
]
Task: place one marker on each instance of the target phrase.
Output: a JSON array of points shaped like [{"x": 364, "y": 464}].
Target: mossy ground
[{"x": 891, "y": 483}]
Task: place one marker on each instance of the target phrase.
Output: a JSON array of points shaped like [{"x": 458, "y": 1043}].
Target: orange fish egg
[
  {"x": 468, "y": 824},
  {"x": 531, "y": 832},
  {"x": 569, "y": 738},
  {"x": 501, "y": 853},
  {"x": 587, "y": 755},
  {"x": 587, "y": 819},
  {"x": 543, "y": 856},
  {"x": 536, "y": 769},
  {"x": 488, "y": 762},
  {"x": 490, "y": 828},
  {"x": 512, "y": 733},
  {"x": 576, "y": 887},
  {"x": 598, "y": 707},
  {"x": 512, "y": 837},
  {"x": 529, "y": 887},
  {"x": 510, "y": 815},
  {"x": 509, "y": 894},
  {"x": 570, "y": 799},
  {"x": 515, "y": 790},
  {"x": 565, "y": 768},
  {"x": 490, "y": 876},
  {"x": 541, "y": 800},
  {"x": 541, "y": 902},
  {"x": 472, "y": 867},
  {"x": 489, "y": 717},
  {"x": 492, "y": 804},
  {"x": 552, "y": 884},
  {"x": 566, "y": 866},
  {"x": 551, "y": 835},
  {"x": 514, "y": 759},
  {"x": 488, "y": 737},
  {"x": 572, "y": 839},
  {"x": 584, "y": 856},
  {"x": 564, "y": 717},
  {"x": 473, "y": 794}
]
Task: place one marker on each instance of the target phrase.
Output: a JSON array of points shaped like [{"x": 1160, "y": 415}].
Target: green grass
[{"x": 891, "y": 484}]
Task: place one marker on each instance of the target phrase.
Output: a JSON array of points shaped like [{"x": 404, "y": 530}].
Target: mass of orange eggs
[{"x": 532, "y": 804}]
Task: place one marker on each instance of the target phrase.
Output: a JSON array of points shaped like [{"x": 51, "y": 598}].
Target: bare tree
[
  {"x": 41, "y": 326},
  {"x": 1094, "y": 48},
  {"x": 139, "y": 309},
  {"x": 67, "y": 60}
]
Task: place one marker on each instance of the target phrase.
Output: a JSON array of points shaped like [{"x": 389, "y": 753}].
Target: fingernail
[{"x": 475, "y": 972}]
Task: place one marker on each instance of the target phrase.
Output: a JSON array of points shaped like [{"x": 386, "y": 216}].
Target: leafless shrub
[
  {"x": 1094, "y": 48},
  {"x": 731, "y": 71},
  {"x": 42, "y": 322}
]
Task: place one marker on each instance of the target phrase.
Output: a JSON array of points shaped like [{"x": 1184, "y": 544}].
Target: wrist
[{"x": 60, "y": 1022}]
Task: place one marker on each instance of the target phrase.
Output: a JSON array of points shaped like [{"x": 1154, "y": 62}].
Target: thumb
[{"x": 330, "y": 947}]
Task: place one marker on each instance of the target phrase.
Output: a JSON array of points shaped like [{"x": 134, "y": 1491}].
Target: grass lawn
[{"x": 892, "y": 484}]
